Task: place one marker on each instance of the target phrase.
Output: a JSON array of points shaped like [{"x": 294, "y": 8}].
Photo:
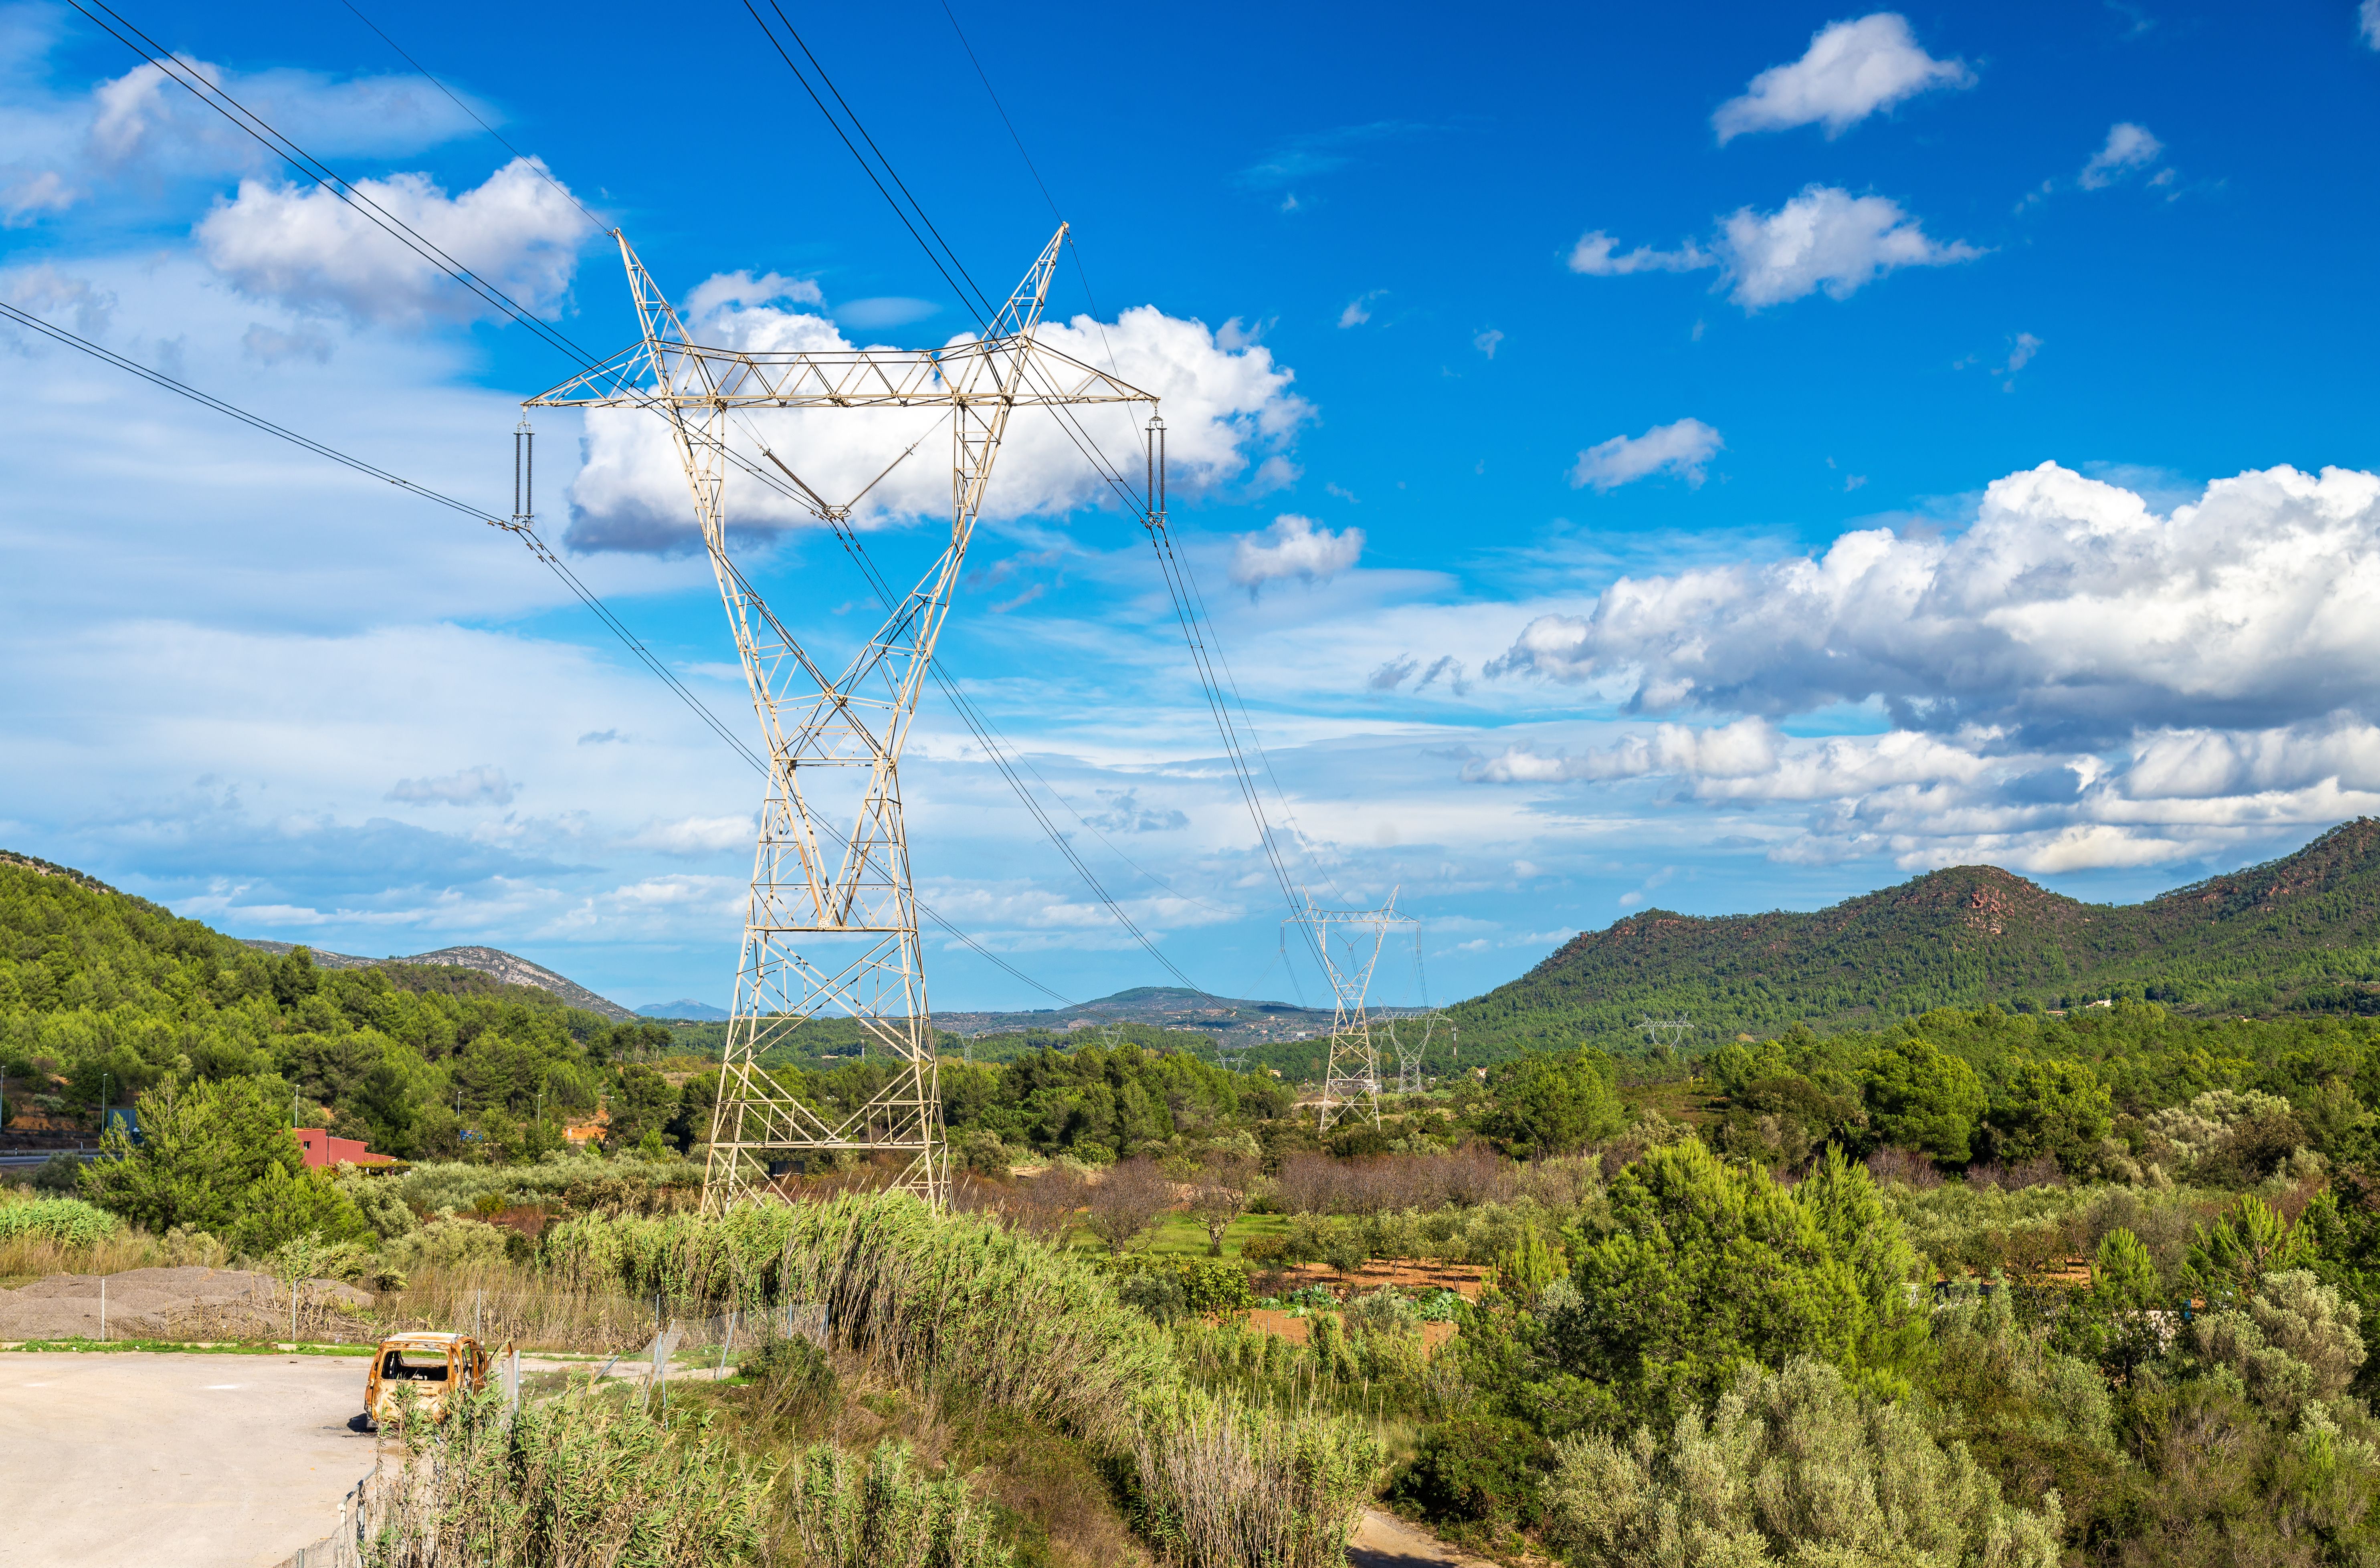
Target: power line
[
  {"x": 521, "y": 530},
  {"x": 984, "y": 735},
  {"x": 254, "y": 126},
  {"x": 979, "y": 304},
  {"x": 537, "y": 163},
  {"x": 1002, "y": 110}
]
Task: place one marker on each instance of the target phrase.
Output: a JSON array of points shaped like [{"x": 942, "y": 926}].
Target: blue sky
[{"x": 1612, "y": 441}]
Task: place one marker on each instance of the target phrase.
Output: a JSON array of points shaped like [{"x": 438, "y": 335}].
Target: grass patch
[{"x": 1179, "y": 1233}]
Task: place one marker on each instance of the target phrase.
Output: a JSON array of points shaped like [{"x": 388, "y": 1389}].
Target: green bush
[
  {"x": 1199, "y": 1285},
  {"x": 1709, "y": 1266},
  {"x": 795, "y": 1375},
  {"x": 1791, "y": 1466},
  {"x": 582, "y": 1478},
  {"x": 452, "y": 1242},
  {"x": 220, "y": 1156},
  {"x": 68, "y": 1221},
  {"x": 1160, "y": 1296},
  {"x": 1478, "y": 1469}
]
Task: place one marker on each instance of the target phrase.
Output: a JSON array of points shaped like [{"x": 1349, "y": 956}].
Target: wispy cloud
[
  {"x": 2129, "y": 147},
  {"x": 1682, "y": 448},
  {"x": 483, "y": 785},
  {"x": 1321, "y": 152}
]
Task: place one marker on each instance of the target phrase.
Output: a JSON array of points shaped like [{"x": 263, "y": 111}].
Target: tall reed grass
[
  {"x": 521, "y": 1304},
  {"x": 574, "y": 1482},
  {"x": 38, "y": 1254},
  {"x": 937, "y": 1297},
  {"x": 1227, "y": 1485},
  {"x": 956, "y": 1301}
]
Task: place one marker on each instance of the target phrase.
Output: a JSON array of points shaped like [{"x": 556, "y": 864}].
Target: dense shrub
[
  {"x": 1230, "y": 1485},
  {"x": 846, "y": 1511},
  {"x": 1708, "y": 1267},
  {"x": 1477, "y": 1468},
  {"x": 219, "y": 1156},
  {"x": 1199, "y": 1285},
  {"x": 578, "y": 1479},
  {"x": 1793, "y": 1465}
]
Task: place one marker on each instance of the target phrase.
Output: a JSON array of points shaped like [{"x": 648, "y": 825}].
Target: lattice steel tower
[
  {"x": 1352, "y": 1078},
  {"x": 831, "y": 923}
]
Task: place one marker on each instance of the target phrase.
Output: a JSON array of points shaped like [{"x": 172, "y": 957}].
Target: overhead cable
[
  {"x": 537, "y": 163},
  {"x": 518, "y": 528}
]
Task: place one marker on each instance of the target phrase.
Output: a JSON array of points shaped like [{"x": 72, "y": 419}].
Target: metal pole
[{"x": 103, "y": 1309}]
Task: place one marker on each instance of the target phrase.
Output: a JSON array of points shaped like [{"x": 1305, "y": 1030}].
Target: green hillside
[{"x": 2301, "y": 932}]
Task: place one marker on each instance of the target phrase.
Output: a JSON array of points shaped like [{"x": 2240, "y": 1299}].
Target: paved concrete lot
[{"x": 164, "y": 1461}]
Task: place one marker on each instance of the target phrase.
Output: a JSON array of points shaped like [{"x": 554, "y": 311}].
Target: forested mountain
[
  {"x": 2301, "y": 932},
  {"x": 104, "y": 995}
]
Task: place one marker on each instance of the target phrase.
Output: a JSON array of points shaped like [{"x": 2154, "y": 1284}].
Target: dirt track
[{"x": 192, "y": 1460}]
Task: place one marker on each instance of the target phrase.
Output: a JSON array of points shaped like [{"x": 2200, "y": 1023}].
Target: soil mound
[{"x": 188, "y": 1303}]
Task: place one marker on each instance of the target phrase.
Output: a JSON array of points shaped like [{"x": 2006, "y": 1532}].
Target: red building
[{"x": 321, "y": 1149}]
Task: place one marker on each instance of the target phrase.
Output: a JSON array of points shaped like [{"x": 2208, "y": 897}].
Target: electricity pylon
[
  {"x": 832, "y": 861},
  {"x": 1353, "y": 1074},
  {"x": 1677, "y": 1028},
  {"x": 1409, "y": 1057}
]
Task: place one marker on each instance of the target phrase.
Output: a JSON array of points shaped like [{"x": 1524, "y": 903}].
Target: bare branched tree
[
  {"x": 1127, "y": 1201},
  {"x": 1224, "y": 1186}
]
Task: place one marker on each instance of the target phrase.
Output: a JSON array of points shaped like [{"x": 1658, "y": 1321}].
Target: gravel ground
[
  {"x": 190, "y": 1303},
  {"x": 174, "y": 1461}
]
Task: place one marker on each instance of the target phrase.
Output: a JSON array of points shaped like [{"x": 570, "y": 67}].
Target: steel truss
[
  {"x": 1351, "y": 1081},
  {"x": 1411, "y": 1052},
  {"x": 831, "y": 923}
]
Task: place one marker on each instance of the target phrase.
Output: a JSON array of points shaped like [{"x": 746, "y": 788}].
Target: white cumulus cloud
[
  {"x": 1682, "y": 448},
  {"x": 2068, "y": 611},
  {"x": 2367, "y": 23},
  {"x": 1222, "y": 408},
  {"x": 1851, "y": 70},
  {"x": 305, "y": 247},
  {"x": 1823, "y": 239},
  {"x": 1828, "y": 239},
  {"x": 1293, "y": 547}
]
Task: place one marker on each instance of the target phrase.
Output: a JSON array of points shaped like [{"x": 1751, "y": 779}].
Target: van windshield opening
[{"x": 417, "y": 1366}]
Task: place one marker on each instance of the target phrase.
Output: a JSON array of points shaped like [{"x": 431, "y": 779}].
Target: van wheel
[{"x": 363, "y": 1423}]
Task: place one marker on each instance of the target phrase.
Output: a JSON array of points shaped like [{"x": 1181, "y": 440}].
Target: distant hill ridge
[
  {"x": 494, "y": 962},
  {"x": 2302, "y": 932},
  {"x": 684, "y": 1008}
]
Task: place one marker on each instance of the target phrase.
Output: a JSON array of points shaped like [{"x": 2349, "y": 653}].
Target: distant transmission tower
[
  {"x": 1351, "y": 1079},
  {"x": 1410, "y": 1052},
  {"x": 1675, "y": 1029},
  {"x": 832, "y": 924}
]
